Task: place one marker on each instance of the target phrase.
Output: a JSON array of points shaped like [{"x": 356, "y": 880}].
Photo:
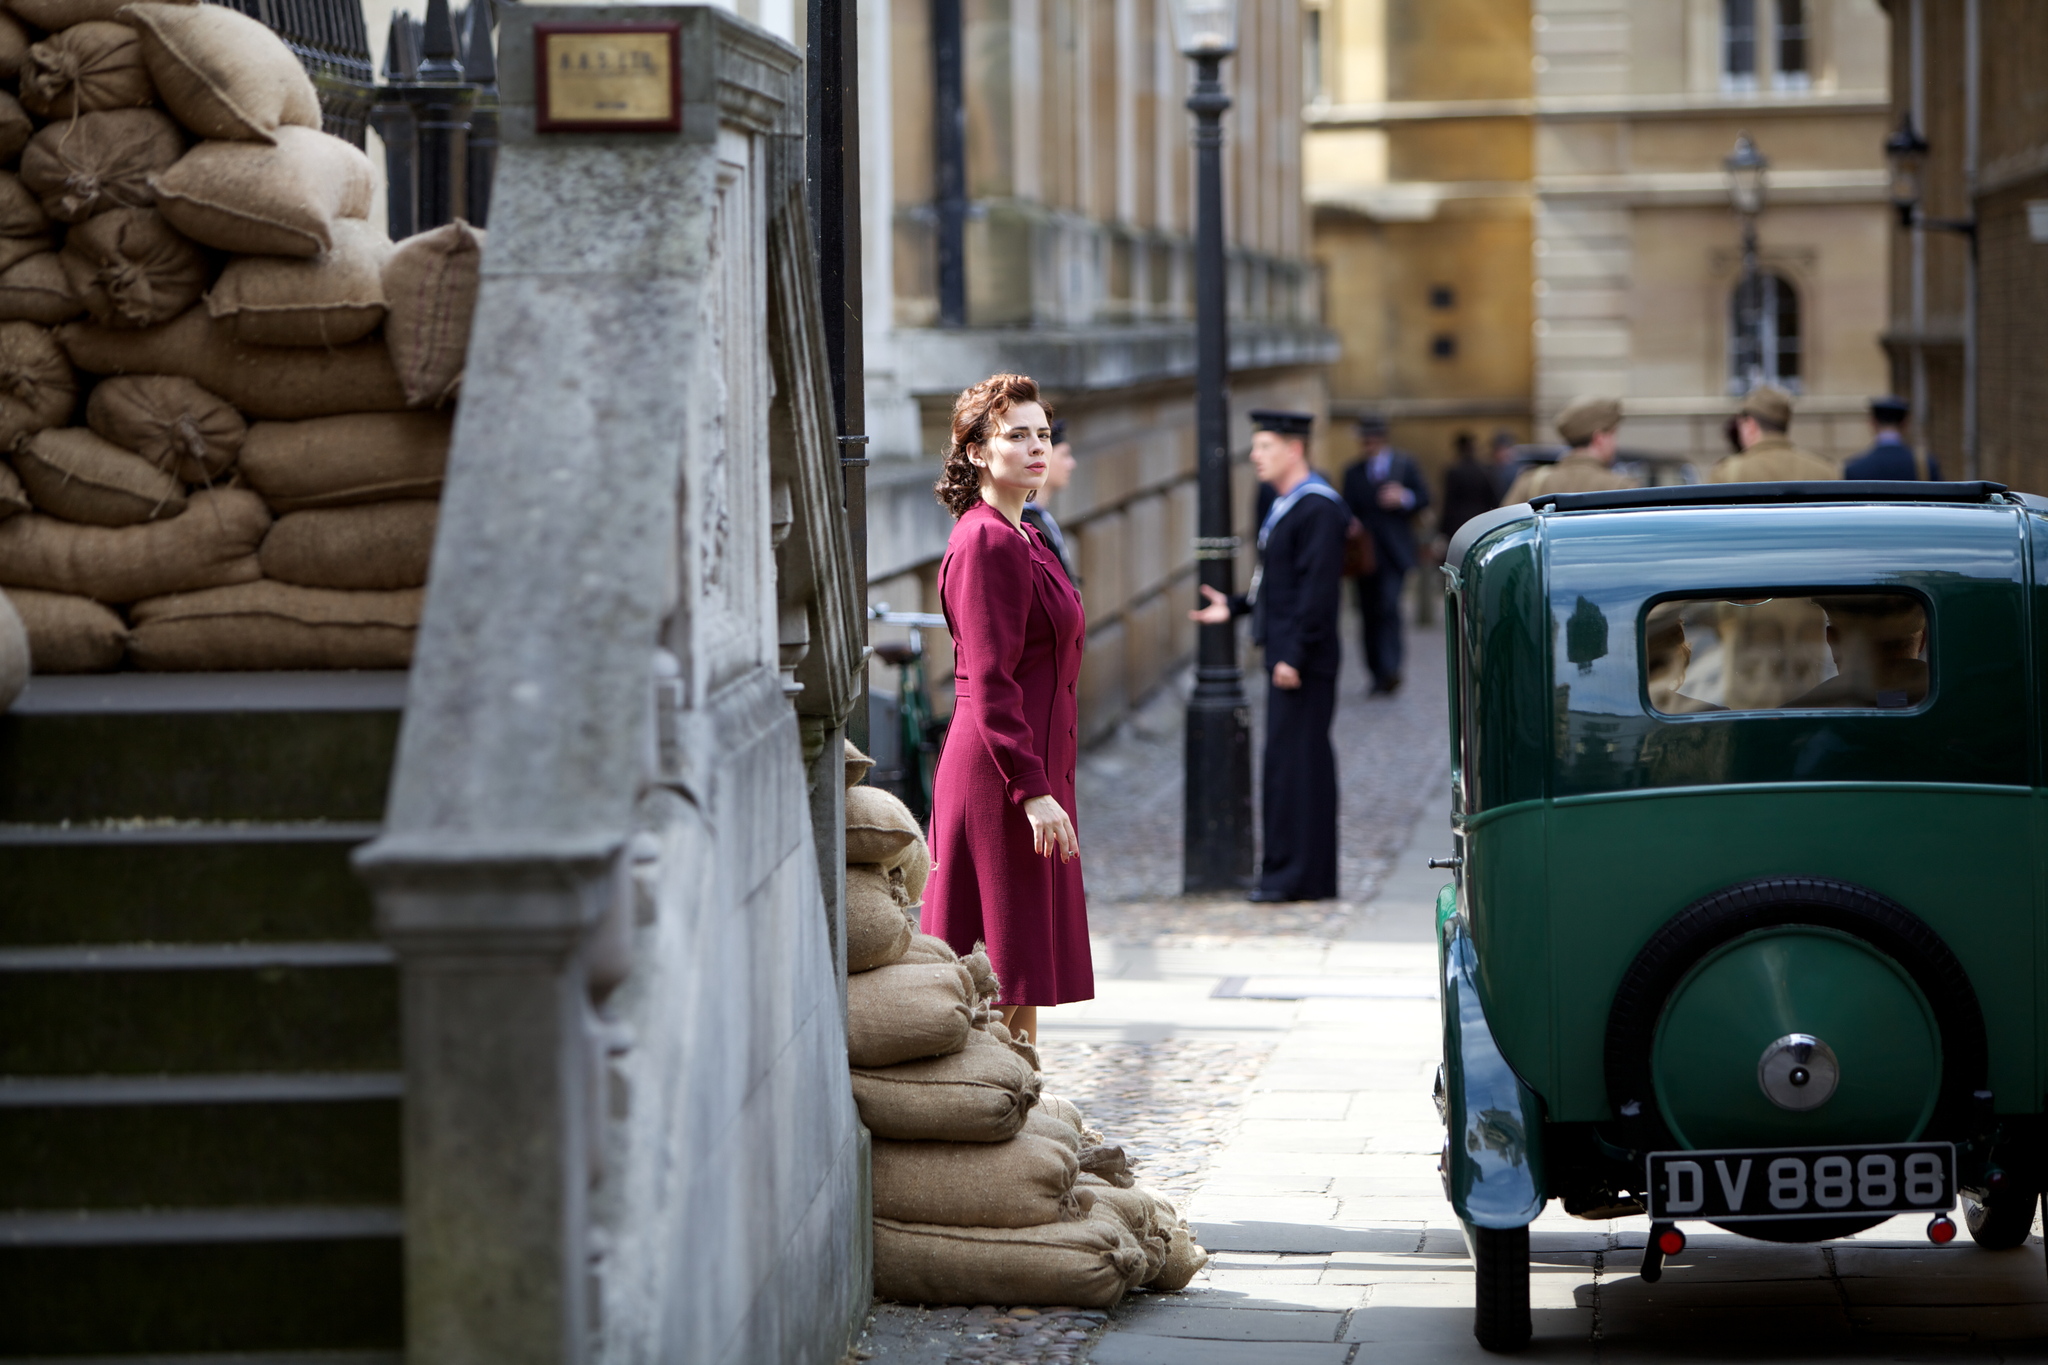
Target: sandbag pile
[
  {"x": 986, "y": 1190},
  {"x": 224, "y": 392}
]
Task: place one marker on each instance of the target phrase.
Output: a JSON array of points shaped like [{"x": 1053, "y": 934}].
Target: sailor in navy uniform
[
  {"x": 1294, "y": 601},
  {"x": 1889, "y": 456}
]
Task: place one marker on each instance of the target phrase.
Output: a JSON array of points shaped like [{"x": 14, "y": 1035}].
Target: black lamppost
[
  {"x": 1217, "y": 840},
  {"x": 1906, "y": 153},
  {"x": 1746, "y": 167}
]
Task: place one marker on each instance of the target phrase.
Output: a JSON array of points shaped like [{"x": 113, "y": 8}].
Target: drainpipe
[
  {"x": 949, "y": 126},
  {"x": 1972, "y": 87},
  {"x": 1916, "y": 95}
]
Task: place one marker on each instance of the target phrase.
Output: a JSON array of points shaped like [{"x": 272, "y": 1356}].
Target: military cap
[
  {"x": 1284, "y": 423},
  {"x": 1587, "y": 418},
  {"x": 1890, "y": 410},
  {"x": 1371, "y": 424},
  {"x": 1769, "y": 404}
]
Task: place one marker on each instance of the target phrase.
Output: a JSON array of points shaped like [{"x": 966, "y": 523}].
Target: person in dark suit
[
  {"x": 1889, "y": 456},
  {"x": 1059, "y": 467},
  {"x": 1294, "y": 602},
  {"x": 1469, "y": 487},
  {"x": 1385, "y": 490}
]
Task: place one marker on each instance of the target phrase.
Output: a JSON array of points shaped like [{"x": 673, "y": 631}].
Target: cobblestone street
[{"x": 1268, "y": 1069}]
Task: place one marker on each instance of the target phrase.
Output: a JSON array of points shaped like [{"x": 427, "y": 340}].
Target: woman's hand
[
  {"x": 1051, "y": 830},
  {"x": 1216, "y": 613}
]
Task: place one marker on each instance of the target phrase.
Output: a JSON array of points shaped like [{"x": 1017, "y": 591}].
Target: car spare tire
[{"x": 1714, "y": 994}]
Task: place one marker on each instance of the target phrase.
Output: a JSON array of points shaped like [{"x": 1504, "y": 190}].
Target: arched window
[
  {"x": 1738, "y": 45},
  {"x": 1763, "y": 334}
]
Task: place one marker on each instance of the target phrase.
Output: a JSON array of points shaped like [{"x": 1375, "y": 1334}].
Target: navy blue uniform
[
  {"x": 1294, "y": 616},
  {"x": 1393, "y": 538},
  {"x": 1890, "y": 458}
]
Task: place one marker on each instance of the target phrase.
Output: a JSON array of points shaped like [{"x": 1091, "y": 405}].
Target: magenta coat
[{"x": 1018, "y": 630}]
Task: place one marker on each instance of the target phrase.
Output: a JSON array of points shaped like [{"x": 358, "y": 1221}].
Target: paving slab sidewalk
[{"x": 1334, "y": 1244}]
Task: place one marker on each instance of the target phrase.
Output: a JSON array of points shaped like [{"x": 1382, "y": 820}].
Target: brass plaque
[{"x": 608, "y": 77}]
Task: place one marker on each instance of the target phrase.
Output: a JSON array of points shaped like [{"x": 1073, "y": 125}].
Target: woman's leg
[{"x": 1022, "y": 1020}]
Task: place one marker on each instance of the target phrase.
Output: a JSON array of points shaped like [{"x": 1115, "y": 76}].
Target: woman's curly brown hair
[{"x": 975, "y": 418}]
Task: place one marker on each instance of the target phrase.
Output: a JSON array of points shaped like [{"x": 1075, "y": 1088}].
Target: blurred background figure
[
  {"x": 1503, "y": 468},
  {"x": 1385, "y": 490},
  {"x": 1059, "y": 467},
  {"x": 1590, "y": 428},
  {"x": 1889, "y": 456},
  {"x": 1469, "y": 486},
  {"x": 1768, "y": 455}
]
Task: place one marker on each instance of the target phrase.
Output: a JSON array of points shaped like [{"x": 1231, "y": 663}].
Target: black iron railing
[{"x": 436, "y": 108}]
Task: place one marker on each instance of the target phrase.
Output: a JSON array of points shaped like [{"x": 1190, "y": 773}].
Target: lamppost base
[{"x": 1217, "y": 840}]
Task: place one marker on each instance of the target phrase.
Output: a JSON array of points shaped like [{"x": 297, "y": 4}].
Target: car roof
[{"x": 1699, "y": 495}]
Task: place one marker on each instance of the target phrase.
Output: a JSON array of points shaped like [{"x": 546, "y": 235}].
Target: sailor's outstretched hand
[{"x": 1216, "y": 613}]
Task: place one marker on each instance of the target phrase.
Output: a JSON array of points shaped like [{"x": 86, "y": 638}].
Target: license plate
[{"x": 1737, "y": 1184}]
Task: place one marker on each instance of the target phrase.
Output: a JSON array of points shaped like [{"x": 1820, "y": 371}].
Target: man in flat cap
[
  {"x": 1889, "y": 457},
  {"x": 1590, "y": 428},
  {"x": 1768, "y": 455},
  {"x": 1294, "y": 600},
  {"x": 1385, "y": 490}
]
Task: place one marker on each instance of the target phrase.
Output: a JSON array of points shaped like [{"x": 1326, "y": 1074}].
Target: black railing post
[
  {"x": 393, "y": 120},
  {"x": 440, "y": 101},
  {"x": 480, "y": 68},
  {"x": 949, "y": 123}
]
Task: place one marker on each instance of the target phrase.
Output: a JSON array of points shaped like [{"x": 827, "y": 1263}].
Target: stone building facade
[
  {"x": 1968, "y": 76},
  {"x": 1519, "y": 201},
  {"x": 1076, "y": 181}
]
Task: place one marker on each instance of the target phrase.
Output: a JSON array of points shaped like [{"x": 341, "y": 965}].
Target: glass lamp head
[
  {"x": 1746, "y": 167},
  {"x": 1905, "y": 154},
  {"x": 1205, "y": 28}
]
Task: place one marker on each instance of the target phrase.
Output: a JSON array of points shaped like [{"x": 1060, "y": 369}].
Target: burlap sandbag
[
  {"x": 37, "y": 386},
  {"x": 986, "y": 986},
  {"x": 101, "y": 161},
  {"x": 16, "y": 127},
  {"x": 130, "y": 268},
  {"x": 263, "y": 200},
  {"x": 1184, "y": 1260},
  {"x": 21, "y": 212},
  {"x": 878, "y": 826},
  {"x": 75, "y": 474},
  {"x": 212, "y": 543},
  {"x": 333, "y": 299},
  {"x": 1133, "y": 1212},
  {"x": 90, "y": 66},
  {"x": 14, "y": 44},
  {"x": 68, "y": 634},
  {"x": 857, "y": 764},
  {"x": 53, "y": 15},
  {"x": 1029, "y": 1052},
  {"x": 14, "y": 654},
  {"x": 275, "y": 626},
  {"x": 378, "y": 546},
  {"x": 1040, "y": 1124},
  {"x": 877, "y": 930},
  {"x": 928, "y": 948},
  {"x": 1025, "y": 1182},
  {"x": 13, "y": 497},
  {"x": 1089, "y": 1263},
  {"x": 431, "y": 283},
  {"x": 221, "y": 73},
  {"x": 340, "y": 461},
  {"x": 978, "y": 1094},
  {"x": 914, "y": 863},
  {"x": 36, "y": 289},
  {"x": 169, "y": 421},
  {"x": 287, "y": 382},
  {"x": 900, "y": 1013},
  {"x": 1066, "y": 1112}
]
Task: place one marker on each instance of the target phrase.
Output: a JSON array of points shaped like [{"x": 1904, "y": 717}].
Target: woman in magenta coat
[{"x": 1005, "y": 857}]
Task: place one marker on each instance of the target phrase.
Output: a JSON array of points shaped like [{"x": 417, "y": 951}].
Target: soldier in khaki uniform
[
  {"x": 1768, "y": 455},
  {"x": 1588, "y": 427}
]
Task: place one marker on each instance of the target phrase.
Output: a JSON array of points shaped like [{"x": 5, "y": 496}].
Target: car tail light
[
  {"x": 1671, "y": 1241},
  {"x": 1942, "y": 1230}
]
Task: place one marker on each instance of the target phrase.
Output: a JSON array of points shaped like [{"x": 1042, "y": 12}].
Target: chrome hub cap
[{"x": 1798, "y": 1072}]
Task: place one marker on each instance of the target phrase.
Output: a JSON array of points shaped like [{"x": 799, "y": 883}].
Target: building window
[
  {"x": 1444, "y": 346},
  {"x": 1763, "y": 335},
  {"x": 1442, "y": 296},
  {"x": 1738, "y": 44},
  {"x": 1792, "y": 47}
]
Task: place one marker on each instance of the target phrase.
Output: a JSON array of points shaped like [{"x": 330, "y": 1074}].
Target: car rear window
[{"x": 1801, "y": 650}]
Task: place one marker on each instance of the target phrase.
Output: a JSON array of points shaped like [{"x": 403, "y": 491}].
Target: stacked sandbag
[{"x": 224, "y": 392}]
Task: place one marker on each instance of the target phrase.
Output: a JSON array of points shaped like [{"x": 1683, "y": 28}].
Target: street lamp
[
  {"x": 1905, "y": 151},
  {"x": 1217, "y": 835},
  {"x": 1746, "y": 168}
]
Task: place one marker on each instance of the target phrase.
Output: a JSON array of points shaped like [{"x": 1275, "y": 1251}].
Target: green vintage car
[{"x": 1751, "y": 858}]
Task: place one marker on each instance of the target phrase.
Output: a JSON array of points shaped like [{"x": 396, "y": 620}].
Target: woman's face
[{"x": 1015, "y": 457}]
